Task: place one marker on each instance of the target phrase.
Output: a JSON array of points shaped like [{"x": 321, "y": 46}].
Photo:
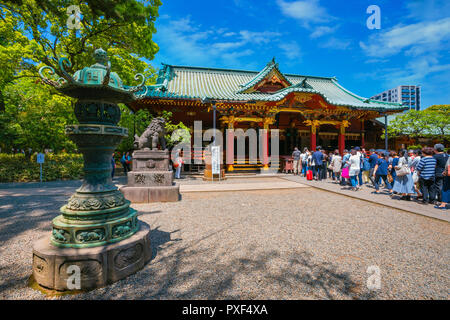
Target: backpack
[{"x": 366, "y": 164}]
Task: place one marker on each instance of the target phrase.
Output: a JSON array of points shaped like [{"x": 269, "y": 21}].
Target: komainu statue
[{"x": 154, "y": 133}]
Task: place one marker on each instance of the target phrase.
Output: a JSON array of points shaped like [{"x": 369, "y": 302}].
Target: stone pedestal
[
  {"x": 151, "y": 180},
  {"x": 99, "y": 266}
]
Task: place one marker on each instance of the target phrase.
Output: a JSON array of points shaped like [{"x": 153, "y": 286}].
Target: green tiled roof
[{"x": 180, "y": 82}]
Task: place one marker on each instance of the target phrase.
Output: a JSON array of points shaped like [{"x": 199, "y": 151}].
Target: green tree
[
  {"x": 438, "y": 119},
  {"x": 433, "y": 122},
  {"x": 34, "y": 33},
  {"x": 411, "y": 123},
  {"x": 34, "y": 118},
  {"x": 123, "y": 28}
]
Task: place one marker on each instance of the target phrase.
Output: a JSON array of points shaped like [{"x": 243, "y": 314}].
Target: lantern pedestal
[{"x": 99, "y": 266}]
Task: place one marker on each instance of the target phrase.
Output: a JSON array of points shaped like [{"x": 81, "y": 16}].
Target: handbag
[
  {"x": 389, "y": 177},
  {"x": 415, "y": 177},
  {"x": 403, "y": 171},
  {"x": 346, "y": 173}
]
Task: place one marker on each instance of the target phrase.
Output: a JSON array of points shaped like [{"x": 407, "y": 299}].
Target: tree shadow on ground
[
  {"x": 189, "y": 273},
  {"x": 15, "y": 217},
  {"x": 158, "y": 238}
]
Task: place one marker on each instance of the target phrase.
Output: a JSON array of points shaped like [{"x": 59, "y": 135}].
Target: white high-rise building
[{"x": 406, "y": 95}]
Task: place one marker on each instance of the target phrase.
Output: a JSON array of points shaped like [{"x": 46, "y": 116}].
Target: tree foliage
[
  {"x": 431, "y": 122},
  {"x": 34, "y": 33}
]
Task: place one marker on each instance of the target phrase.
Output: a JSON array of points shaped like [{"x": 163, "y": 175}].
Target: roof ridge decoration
[
  {"x": 269, "y": 76},
  {"x": 164, "y": 76},
  {"x": 302, "y": 84}
]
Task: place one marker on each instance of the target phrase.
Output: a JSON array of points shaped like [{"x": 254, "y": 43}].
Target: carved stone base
[
  {"x": 151, "y": 194},
  {"x": 150, "y": 178},
  {"x": 99, "y": 266}
]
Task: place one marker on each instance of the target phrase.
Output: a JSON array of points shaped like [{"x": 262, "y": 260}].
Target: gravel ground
[{"x": 274, "y": 244}]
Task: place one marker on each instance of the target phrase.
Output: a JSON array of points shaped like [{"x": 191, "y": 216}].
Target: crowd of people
[{"x": 421, "y": 175}]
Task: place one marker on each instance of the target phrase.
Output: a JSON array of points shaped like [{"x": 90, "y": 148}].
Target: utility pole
[{"x": 385, "y": 133}]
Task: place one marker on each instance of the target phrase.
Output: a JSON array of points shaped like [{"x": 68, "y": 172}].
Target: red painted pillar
[
  {"x": 230, "y": 146},
  {"x": 265, "y": 146},
  {"x": 313, "y": 137},
  {"x": 341, "y": 140}
]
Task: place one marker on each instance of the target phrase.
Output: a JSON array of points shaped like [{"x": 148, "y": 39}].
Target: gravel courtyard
[{"x": 273, "y": 244}]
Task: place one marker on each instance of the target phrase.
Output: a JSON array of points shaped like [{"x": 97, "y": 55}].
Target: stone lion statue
[{"x": 154, "y": 133}]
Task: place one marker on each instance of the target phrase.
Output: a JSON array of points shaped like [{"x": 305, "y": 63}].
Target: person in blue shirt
[
  {"x": 126, "y": 161},
  {"x": 317, "y": 157},
  {"x": 373, "y": 159},
  {"x": 392, "y": 164},
  {"x": 426, "y": 169},
  {"x": 381, "y": 172}
]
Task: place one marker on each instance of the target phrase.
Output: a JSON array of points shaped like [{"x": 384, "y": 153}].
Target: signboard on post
[
  {"x": 215, "y": 160},
  {"x": 40, "y": 159}
]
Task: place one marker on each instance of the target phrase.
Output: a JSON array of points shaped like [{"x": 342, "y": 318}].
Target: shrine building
[{"x": 308, "y": 110}]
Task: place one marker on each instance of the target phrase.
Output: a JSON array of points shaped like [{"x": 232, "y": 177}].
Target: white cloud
[
  {"x": 258, "y": 37},
  {"x": 322, "y": 30},
  {"x": 183, "y": 42},
  {"x": 428, "y": 10},
  {"x": 334, "y": 43},
  {"x": 415, "y": 71},
  {"x": 291, "y": 50},
  {"x": 229, "y": 34},
  {"x": 416, "y": 38},
  {"x": 426, "y": 71},
  {"x": 304, "y": 10}
]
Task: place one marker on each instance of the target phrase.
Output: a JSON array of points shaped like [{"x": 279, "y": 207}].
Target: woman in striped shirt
[{"x": 426, "y": 170}]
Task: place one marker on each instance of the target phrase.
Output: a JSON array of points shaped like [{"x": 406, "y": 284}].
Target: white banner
[{"x": 215, "y": 159}]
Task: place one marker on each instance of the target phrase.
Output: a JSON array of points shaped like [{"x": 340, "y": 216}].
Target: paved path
[
  {"x": 242, "y": 183},
  {"x": 382, "y": 199},
  {"x": 241, "y": 186},
  {"x": 263, "y": 244}
]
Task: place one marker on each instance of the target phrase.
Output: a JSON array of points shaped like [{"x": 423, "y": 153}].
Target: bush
[
  {"x": 17, "y": 168},
  {"x": 415, "y": 147}
]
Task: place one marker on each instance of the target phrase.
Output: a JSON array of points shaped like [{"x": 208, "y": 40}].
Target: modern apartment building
[{"x": 406, "y": 95}]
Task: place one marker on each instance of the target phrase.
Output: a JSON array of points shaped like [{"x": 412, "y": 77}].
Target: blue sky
[{"x": 315, "y": 37}]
